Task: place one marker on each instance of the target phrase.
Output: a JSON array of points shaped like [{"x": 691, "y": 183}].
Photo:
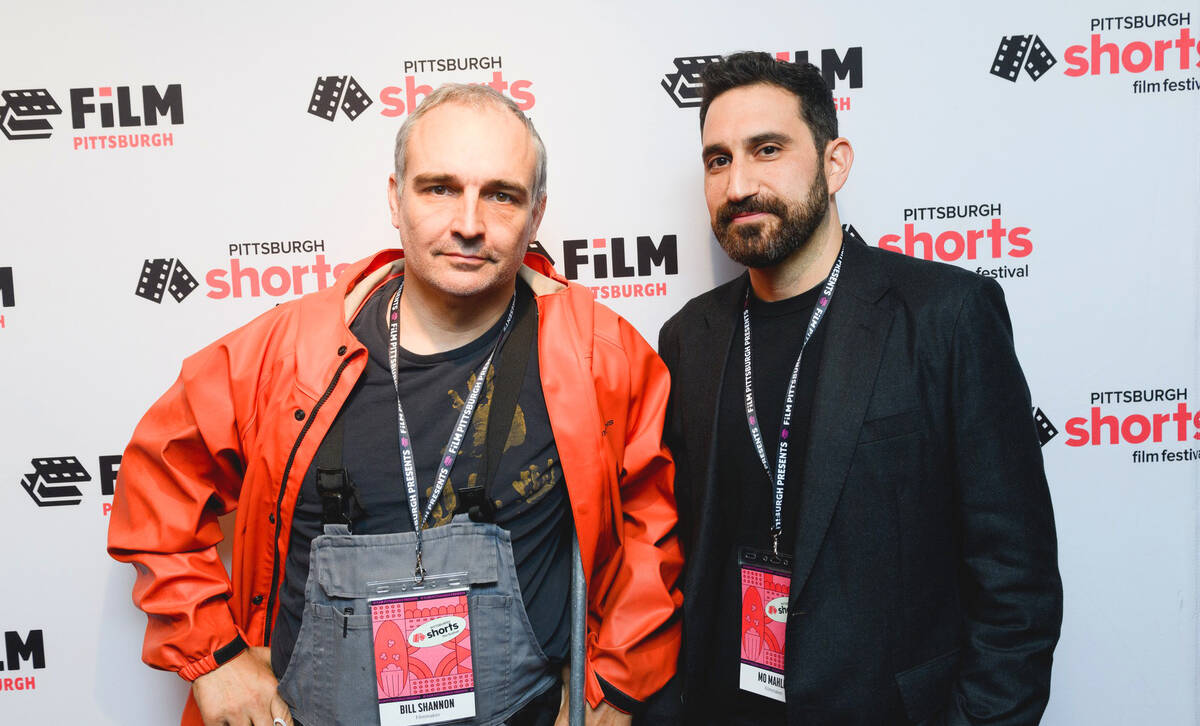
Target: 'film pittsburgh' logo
[
  {"x": 684, "y": 85},
  {"x": 52, "y": 483},
  {"x": 1016, "y": 51},
  {"x": 332, "y": 92},
  {"x": 165, "y": 275},
  {"x": 29, "y": 649},
  {"x": 22, "y": 116}
]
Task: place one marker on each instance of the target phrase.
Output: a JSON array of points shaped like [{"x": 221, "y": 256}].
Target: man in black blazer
[{"x": 909, "y": 527}]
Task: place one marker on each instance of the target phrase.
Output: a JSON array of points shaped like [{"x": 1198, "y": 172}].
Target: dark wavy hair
[{"x": 803, "y": 80}]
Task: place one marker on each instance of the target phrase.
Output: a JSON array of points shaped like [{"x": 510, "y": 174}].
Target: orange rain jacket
[{"x": 240, "y": 426}]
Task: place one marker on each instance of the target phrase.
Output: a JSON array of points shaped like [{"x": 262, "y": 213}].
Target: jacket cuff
[
  {"x": 214, "y": 660},
  {"x": 618, "y": 700}
]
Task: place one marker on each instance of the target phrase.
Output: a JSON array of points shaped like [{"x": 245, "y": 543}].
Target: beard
[{"x": 752, "y": 245}]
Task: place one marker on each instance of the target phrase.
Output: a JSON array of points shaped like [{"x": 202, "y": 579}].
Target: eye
[
  {"x": 769, "y": 150},
  {"x": 716, "y": 162},
  {"x": 439, "y": 190},
  {"x": 503, "y": 197}
]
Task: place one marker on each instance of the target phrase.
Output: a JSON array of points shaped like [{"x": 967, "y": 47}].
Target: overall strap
[
  {"x": 339, "y": 498},
  {"x": 508, "y": 377}
]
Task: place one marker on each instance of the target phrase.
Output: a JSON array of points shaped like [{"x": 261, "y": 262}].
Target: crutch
[{"x": 578, "y": 633}]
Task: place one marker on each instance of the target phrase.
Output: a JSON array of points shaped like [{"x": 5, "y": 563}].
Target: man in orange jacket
[{"x": 448, "y": 384}]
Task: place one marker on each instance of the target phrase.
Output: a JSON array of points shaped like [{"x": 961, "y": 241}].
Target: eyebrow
[
  {"x": 711, "y": 149},
  {"x": 768, "y": 137},
  {"x": 755, "y": 140},
  {"x": 433, "y": 179}
]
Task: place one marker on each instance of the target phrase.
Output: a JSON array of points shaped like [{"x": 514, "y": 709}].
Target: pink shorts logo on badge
[
  {"x": 763, "y": 626},
  {"x": 422, "y": 646}
]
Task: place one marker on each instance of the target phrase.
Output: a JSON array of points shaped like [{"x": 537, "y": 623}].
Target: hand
[
  {"x": 605, "y": 715},
  {"x": 242, "y": 692}
]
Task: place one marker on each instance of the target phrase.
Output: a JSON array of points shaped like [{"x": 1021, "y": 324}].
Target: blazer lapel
[
  {"x": 850, "y": 359},
  {"x": 706, "y": 350},
  {"x": 711, "y": 352}
]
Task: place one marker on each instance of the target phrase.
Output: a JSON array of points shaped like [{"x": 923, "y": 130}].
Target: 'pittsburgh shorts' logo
[
  {"x": 334, "y": 91},
  {"x": 1045, "y": 429},
  {"x": 1016, "y": 51},
  {"x": 169, "y": 275}
]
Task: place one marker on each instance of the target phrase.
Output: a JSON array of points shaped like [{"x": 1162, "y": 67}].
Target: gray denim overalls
[{"x": 331, "y": 678}]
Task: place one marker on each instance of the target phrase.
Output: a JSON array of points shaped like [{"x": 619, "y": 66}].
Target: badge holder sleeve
[
  {"x": 766, "y": 580},
  {"x": 421, "y": 635}
]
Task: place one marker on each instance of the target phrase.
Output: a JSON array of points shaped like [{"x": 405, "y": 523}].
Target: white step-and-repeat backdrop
[{"x": 1052, "y": 146}]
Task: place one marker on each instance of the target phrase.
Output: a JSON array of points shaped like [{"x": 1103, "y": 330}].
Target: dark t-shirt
[
  {"x": 745, "y": 490},
  {"x": 528, "y": 491}
]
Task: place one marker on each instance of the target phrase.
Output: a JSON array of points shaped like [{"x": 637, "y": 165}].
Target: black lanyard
[
  {"x": 407, "y": 458},
  {"x": 788, "y": 402}
]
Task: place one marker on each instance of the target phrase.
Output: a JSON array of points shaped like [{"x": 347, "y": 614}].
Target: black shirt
[
  {"x": 745, "y": 490},
  {"x": 528, "y": 492}
]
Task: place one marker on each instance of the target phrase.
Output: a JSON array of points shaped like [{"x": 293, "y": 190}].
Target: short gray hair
[{"x": 476, "y": 97}]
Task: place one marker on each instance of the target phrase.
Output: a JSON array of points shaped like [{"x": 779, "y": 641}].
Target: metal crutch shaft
[{"x": 578, "y": 633}]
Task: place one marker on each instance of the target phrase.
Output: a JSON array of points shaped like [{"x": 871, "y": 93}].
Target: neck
[
  {"x": 805, "y": 268},
  {"x": 433, "y": 322}
]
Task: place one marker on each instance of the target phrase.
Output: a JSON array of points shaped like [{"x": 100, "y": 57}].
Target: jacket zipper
[{"x": 287, "y": 470}]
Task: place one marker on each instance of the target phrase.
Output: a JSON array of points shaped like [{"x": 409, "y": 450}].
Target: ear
[
  {"x": 839, "y": 157},
  {"x": 394, "y": 200}
]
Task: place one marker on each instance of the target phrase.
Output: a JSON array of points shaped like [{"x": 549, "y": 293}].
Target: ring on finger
[{"x": 278, "y": 722}]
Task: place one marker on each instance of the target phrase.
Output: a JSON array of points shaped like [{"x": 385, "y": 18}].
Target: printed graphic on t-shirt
[{"x": 533, "y": 481}]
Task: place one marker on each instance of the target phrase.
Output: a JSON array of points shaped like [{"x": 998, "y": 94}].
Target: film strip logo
[
  {"x": 1045, "y": 429},
  {"x": 1017, "y": 51},
  {"x": 684, "y": 86},
  {"x": 333, "y": 92},
  {"x": 52, "y": 483},
  {"x": 23, "y": 114},
  {"x": 167, "y": 275}
]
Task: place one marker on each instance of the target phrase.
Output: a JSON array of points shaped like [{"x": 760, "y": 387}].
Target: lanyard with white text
[
  {"x": 407, "y": 458},
  {"x": 752, "y": 414}
]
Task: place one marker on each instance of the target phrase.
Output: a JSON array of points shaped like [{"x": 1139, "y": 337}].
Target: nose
[
  {"x": 740, "y": 181},
  {"x": 468, "y": 222}
]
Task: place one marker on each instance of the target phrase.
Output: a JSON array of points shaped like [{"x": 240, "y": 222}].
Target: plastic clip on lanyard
[
  {"x": 407, "y": 458},
  {"x": 751, "y": 413}
]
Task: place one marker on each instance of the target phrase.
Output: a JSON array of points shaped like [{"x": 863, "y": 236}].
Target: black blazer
[{"x": 925, "y": 584}]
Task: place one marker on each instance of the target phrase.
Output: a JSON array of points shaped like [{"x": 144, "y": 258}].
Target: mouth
[
  {"x": 751, "y": 211},
  {"x": 465, "y": 258},
  {"x": 747, "y": 217}
]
